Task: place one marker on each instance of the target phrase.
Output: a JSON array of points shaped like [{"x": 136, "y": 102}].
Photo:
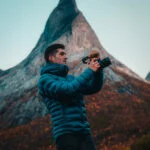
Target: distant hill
[
  {"x": 148, "y": 77},
  {"x": 1, "y": 71}
]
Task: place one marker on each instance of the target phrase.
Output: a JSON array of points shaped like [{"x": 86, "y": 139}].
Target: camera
[
  {"x": 104, "y": 62},
  {"x": 94, "y": 54}
]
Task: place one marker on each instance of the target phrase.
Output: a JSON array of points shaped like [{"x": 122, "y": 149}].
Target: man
[{"x": 63, "y": 96}]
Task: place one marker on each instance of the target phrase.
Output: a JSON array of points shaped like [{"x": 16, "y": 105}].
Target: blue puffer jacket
[{"x": 63, "y": 96}]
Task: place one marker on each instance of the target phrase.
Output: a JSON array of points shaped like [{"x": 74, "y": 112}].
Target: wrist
[{"x": 93, "y": 69}]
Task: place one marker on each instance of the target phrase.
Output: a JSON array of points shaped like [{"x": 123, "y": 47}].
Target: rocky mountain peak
[
  {"x": 60, "y": 19},
  {"x": 71, "y": 3},
  {"x": 19, "y": 100},
  {"x": 112, "y": 112}
]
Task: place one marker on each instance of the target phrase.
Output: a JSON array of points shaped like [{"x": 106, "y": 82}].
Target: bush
[{"x": 142, "y": 144}]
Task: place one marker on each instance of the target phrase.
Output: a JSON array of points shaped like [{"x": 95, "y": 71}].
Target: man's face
[{"x": 60, "y": 57}]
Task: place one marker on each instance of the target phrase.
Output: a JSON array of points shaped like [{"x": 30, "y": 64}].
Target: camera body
[{"x": 103, "y": 63}]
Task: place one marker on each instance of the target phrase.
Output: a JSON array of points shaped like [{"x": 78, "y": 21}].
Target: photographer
[{"x": 63, "y": 96}]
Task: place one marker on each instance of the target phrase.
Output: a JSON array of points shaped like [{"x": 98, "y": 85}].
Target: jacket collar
[{"x": 55, "y": 69}]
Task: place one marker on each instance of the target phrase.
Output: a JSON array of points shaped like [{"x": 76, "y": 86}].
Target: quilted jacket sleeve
[
  {"x": 95, "y": 83},
  {"x": 51, "y": 87}
]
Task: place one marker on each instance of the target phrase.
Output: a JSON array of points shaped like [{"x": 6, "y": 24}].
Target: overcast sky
[{"x": 122, "y": 26}]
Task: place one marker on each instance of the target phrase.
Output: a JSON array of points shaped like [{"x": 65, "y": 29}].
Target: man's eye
[{"x": 62, "y": 53}]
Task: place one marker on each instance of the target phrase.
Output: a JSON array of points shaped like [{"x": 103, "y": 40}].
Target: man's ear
[{"x": 51, "y": 58}]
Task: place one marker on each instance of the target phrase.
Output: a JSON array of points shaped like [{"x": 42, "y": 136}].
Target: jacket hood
[{"x": 55, "y": 69}]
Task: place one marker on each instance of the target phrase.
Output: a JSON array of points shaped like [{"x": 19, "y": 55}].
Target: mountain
[
  {"x": 119, "y": 114},
  {"x": 148, "y": 77}
]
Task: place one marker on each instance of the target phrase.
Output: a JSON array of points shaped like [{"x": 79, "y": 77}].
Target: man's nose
[{"x": 66, "y": 57}]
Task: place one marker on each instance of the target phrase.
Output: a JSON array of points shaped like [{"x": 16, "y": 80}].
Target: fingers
[
  {"x": 95, "y": 62},
  {"x": 94, "y": 65}
]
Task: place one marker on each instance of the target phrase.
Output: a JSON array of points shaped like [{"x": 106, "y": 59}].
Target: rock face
[
  {"x": 148, "y": 77},
  {"x": 19, "y": 100}
]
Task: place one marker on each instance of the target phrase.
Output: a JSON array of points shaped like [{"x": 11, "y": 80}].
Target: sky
[{"x": 122, "y": 26}]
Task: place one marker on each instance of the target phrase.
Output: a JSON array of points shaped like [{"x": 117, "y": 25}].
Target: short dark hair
[{"x": 52, "y": 50}]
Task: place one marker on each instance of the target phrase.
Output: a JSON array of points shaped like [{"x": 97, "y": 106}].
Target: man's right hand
[{"x": 94, "y": 65}]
